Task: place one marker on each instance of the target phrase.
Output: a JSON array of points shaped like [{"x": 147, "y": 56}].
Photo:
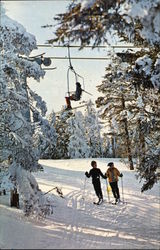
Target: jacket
[
  {"x": 95, "y": 173},
  {"x": 78, "y": 93},
  {"x": 112, "y": 174}
]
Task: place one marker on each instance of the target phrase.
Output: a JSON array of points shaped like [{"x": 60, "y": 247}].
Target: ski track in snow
[{"x": 77, "y": 223}]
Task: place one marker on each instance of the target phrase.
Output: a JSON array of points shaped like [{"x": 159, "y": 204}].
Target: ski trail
[
  {"x": 72, "y": 230},
  {"x": 77, "y": 223},
  {"x": 88, "y": 226},
  {"x": 76, "y": 227}
]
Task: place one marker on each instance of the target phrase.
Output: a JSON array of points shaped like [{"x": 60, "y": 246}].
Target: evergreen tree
[
  {"x": 63, "y": 134},
  {"x": 108, "y": 147},
  {"x": 16, "y": 129},
  {"x": 93, "y": 131},
  {"x": 143, "y": 111},
  {"x": 45, "y": 137},
  {"x": 77, "y": 146},
  {"x": 146, "y": 136},
  {"x": 115, "y": 104}
]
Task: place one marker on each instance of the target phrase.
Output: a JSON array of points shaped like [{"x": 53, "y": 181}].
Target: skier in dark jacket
[
  {"x": 95, "y": 173},
  {"x": 75, "y": 96}
]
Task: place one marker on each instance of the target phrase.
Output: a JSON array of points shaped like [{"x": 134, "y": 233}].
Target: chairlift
[
  {"x": 46, "y": 61},
  {"x": 75, "y": 96}
]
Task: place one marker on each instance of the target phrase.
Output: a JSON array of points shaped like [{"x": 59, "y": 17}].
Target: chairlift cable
[
  {"x": 78, "y": 58},
  {"x": 72, "y": 69},
  {"x": 68, "y": 82},
  {"x": 89, "y": 46},
  {"x": 69, "y": 57}
]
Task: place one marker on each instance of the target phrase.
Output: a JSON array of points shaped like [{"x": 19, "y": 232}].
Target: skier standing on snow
[
  {"x": 112, "y": 174},
  {"x": 95, "y": 173}
]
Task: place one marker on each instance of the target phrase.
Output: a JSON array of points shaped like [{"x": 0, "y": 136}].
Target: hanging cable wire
[
  {"x": 72, "y": 69},
  {"x": 118, "y": 46}
]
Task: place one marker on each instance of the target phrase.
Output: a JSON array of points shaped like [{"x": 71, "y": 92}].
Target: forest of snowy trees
[
  {"x": 129, "y": 95},
  {"x": 127, "y": 123}
]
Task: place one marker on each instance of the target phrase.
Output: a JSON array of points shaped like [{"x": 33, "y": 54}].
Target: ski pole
[
  {"x": 84, "y": 188},
  {"x": 107, "y": 191},
  {"x": 86, "y": 92},
  {"x": 122, "y": 189}
]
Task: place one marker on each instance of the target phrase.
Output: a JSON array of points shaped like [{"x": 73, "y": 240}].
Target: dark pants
[
  {"x": 97, "y": 188},
  {"x": 115, "y": 189},
  {"x": 69, "y": 98}
]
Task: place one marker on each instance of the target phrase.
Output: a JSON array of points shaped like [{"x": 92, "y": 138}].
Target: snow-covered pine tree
[
  {"x": 45, "y": 137},
  {"x": 95, "y": 21},
  {"x": 114, "y": 106},
  {"x": 78, "y": 146},
  {"x": 107, "y": 145},
  {"x": 63, "y": 134},
  {"x": 105, "y": 103},
  {"x": 144, "y": 115},
  {"x": 15, "y": 124},
  {"x": 145, "y": 119},
  {"x": 93, "y": 131},
  {"x": 44, "y": 131},
  {"x": 49, "y": 152}
]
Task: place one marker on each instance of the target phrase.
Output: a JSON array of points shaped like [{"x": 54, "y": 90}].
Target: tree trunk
[
  {"x": 113, "y": 147},
  {"x": 14, "y": 199},
  {"x": 128, "y": 143},
  {"x": 141, "y": 144},
  {"x": 112, "y": 140}
]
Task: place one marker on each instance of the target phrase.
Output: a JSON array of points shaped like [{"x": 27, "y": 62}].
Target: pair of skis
[
  {"x": 108, "y": 189},
  {"x": 112, "y": 203},
  {"x": 118, "y": 202},
  {"x": 98, "y": 203}
]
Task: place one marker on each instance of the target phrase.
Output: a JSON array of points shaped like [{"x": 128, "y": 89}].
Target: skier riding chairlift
[{"x": 76, "y": 96}]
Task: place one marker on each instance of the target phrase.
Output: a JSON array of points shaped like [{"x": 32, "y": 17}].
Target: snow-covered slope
[{"x": 77, "y": 222}]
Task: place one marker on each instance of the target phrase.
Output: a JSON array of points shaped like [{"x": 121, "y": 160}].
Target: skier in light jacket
[{"x": 112, "y": 175}]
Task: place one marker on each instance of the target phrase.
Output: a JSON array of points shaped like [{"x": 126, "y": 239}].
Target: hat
[
  {"x": 110, "y": 164},
  {"x": 77, "y": 83}
]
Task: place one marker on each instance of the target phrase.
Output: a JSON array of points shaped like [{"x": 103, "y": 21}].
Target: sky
[{"x": 53, "y": 88}]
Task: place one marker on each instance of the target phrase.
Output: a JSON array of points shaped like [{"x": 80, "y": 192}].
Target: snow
[
  {"x": 26, "y": 42},
  {"x": 77, "y": 223},
  {"x": 145, "y": 64},
  {"x": 140, "y": 103},
  {"x": 148, "y": 12},
  {"x": 87, "y": 4}
]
